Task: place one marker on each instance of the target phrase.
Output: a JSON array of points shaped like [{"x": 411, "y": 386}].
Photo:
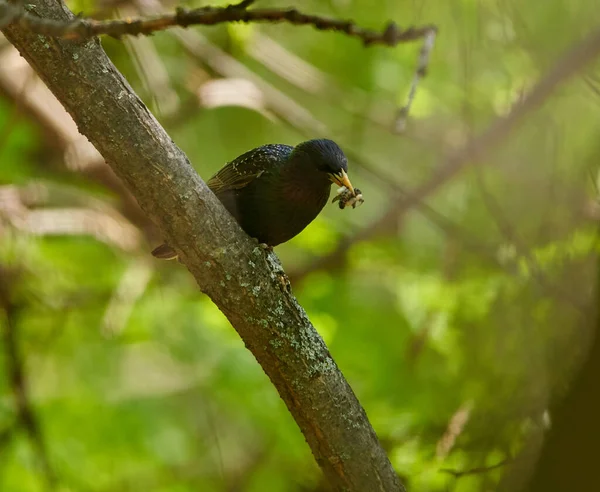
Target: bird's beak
[{"x": 341, "y": 179}]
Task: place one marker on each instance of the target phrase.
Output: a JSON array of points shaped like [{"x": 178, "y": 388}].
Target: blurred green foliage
[{"x": 455, "y": 329}]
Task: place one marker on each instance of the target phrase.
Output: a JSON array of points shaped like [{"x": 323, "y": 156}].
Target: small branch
[
  {"x": 420, "y": 72},
  {"x": 79, "y": 28}
]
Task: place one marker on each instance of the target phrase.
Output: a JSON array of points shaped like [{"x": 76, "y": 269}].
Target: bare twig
[
  {"x": 80, "y": 28},
  {"x": 422, "y": 64}
]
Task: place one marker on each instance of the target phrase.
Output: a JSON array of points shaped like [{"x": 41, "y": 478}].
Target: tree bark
[{"x": 246, "y": 283}]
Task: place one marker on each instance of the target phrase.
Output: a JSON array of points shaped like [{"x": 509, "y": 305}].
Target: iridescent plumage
[{"x": 275, "y": 191}]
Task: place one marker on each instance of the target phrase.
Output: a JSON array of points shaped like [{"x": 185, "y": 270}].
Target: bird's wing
[{"x": 243, "y": 170}]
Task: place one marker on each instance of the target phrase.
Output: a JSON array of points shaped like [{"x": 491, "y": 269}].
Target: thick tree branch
[{"x": 246, "y": 283}]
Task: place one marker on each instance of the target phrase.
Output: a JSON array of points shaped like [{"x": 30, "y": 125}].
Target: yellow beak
[{"x": 341, "y": 179}]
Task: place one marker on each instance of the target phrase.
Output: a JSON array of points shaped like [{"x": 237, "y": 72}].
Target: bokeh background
[{"x": 457, "y": 321}]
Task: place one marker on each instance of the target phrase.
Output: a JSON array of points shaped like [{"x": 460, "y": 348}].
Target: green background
[{"x": 456, "y": 323}]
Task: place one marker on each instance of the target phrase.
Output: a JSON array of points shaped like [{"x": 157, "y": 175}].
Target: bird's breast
[{"x": 274, "y": 211}]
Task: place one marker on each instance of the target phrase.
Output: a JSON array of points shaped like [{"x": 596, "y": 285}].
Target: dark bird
[{"x": 275, "y": 191}]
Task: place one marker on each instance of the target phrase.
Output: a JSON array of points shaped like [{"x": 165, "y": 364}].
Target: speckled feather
[
  {"x": 271, "y": 194},
  {"x": 275, "y": 191},
  {"x": 247, "y": 167}
]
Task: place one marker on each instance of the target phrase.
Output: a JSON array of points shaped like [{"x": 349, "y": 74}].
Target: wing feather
[{"x": 244, "y": 169}]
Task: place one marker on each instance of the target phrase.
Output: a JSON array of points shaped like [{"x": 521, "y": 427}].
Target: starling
[{"x": 275, "y": 191}]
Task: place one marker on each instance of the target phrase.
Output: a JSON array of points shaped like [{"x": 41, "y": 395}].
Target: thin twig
[
  {"x": 80, "y": 28},
  {"x": 420, "y": 72}
]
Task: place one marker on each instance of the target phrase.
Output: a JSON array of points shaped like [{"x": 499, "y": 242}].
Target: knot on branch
[
  {"x": 182, "y": 17},
  {"x": 391, "y": 34}
]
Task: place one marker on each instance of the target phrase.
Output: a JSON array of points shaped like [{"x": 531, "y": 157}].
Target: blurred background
[{"x": 457, "y": 321}]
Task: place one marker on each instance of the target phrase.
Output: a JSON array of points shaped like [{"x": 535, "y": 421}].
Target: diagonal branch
[{"x": 246, "y": 283}]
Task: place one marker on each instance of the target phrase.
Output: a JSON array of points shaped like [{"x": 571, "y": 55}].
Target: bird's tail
[{"x": 164, "y": 252}]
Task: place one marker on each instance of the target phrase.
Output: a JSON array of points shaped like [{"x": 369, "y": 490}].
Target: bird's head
[{"x": 327, "y": 157}]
